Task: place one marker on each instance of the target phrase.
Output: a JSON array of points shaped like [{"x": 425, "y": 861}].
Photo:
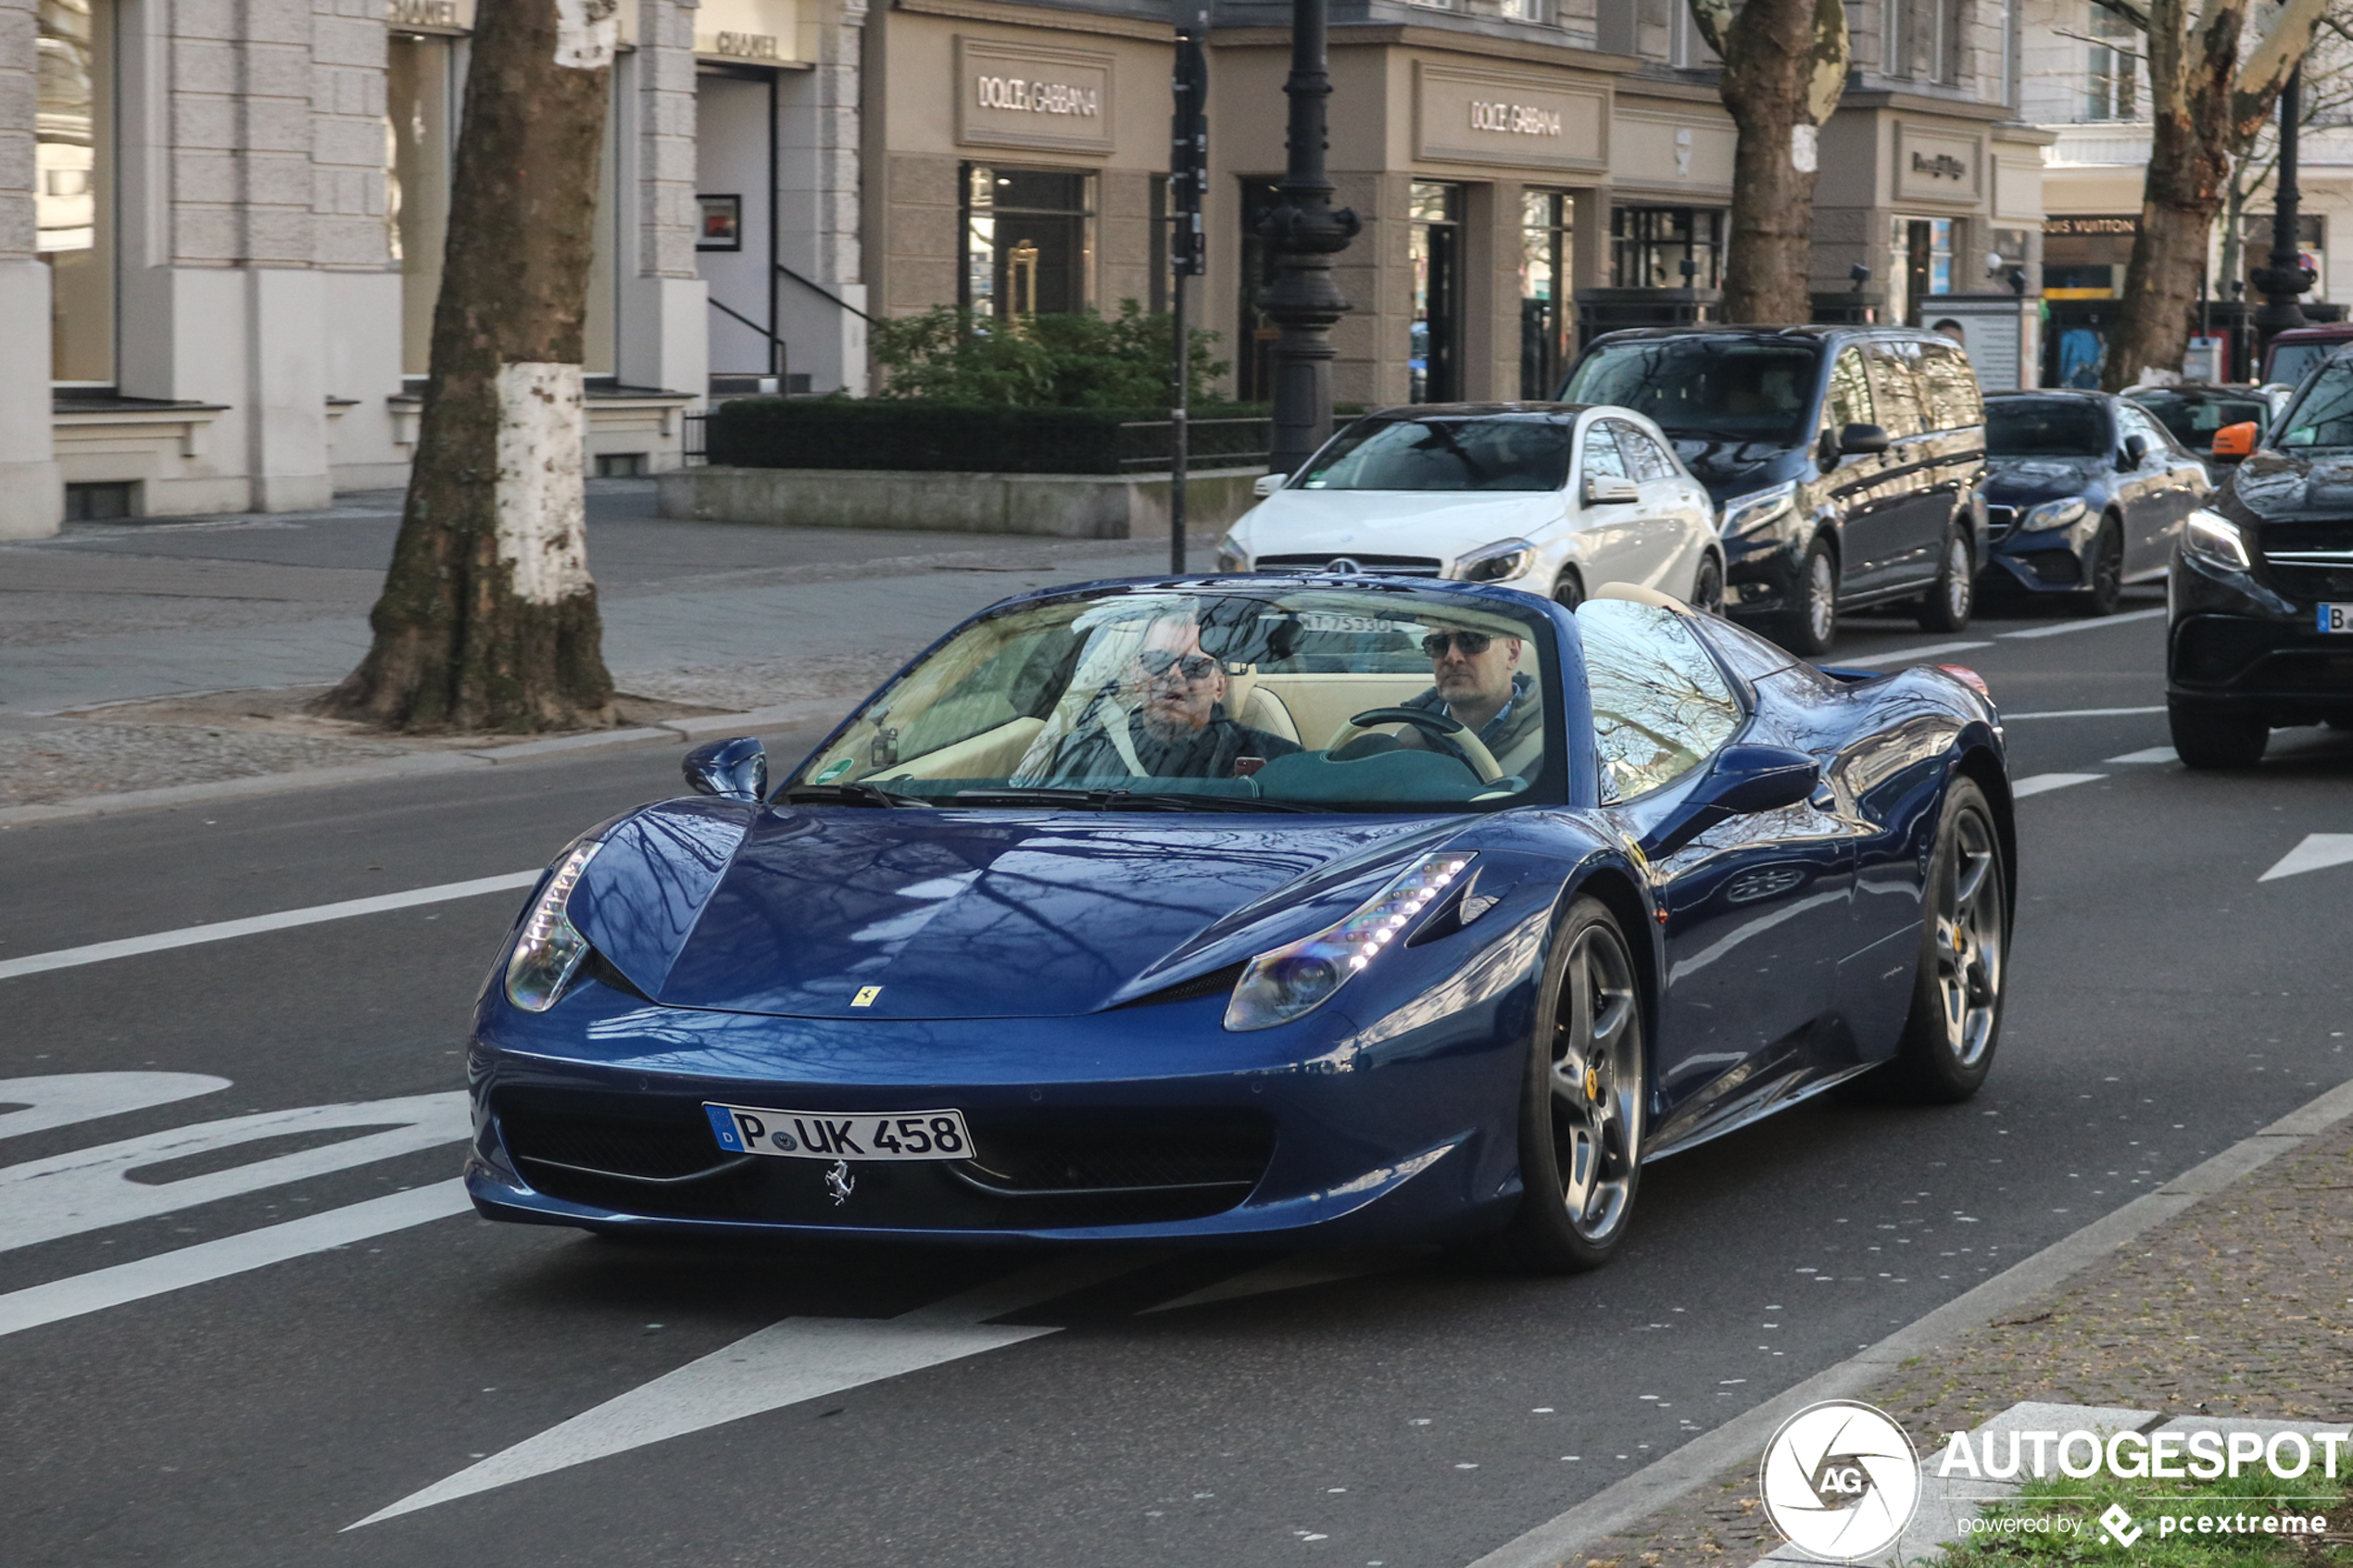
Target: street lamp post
[
  {"x": 1305, "y": 231},
  {"x": 2285, "y": 277}
]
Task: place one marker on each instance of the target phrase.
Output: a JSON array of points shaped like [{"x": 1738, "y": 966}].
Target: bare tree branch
[{"x": 2137, "y": 16}]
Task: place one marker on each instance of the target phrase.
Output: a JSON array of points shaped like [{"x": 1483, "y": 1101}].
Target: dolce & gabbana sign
[
  {"x": 1462, "y": 116},
  {"x": 1032, "y": 96}
]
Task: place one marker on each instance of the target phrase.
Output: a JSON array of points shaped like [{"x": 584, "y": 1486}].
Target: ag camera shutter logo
[{"x": 1840, "y": 1480}]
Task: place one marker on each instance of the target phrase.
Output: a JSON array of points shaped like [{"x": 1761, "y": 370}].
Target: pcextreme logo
[{"x": 1840, "y": 1480}]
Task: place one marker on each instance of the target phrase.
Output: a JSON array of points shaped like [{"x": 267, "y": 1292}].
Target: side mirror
[
  {"x": 733, "y": 770},
  {"x": 1862, "y": 441},
  {"x": 2235, "y": 442},
  {"x": 2136, "y": 451},
  {"x": 1265, "y": 484},
  {"x": 1744, "y": 781},
  {"x": 1603, "y": 491}
]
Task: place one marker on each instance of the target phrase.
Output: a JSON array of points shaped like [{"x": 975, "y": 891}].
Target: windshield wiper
[
  {"x": 848, "y": 795},
  {"x": 1124, "y": 800}
]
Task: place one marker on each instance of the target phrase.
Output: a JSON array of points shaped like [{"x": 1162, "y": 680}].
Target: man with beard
[
  {"x": 1178, "y": 728},
  {"x": 1478, "y": 683}
]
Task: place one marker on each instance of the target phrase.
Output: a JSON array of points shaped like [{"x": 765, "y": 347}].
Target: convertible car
[{"x": 1257, "y": 908}]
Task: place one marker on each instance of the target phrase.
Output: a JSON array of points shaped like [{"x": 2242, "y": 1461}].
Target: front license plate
[
  {"x": 862, "y": 1135},
  {"x": 2336, "y": 617}
]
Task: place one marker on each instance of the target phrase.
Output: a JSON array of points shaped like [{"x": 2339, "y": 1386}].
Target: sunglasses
[
  {"x": 1157, "y": 662},
  {"x": 1473, "y": 644}
]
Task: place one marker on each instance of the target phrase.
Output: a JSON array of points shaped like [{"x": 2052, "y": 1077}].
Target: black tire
[
  {"x": 2107, "y": 574},
  {"x": 1707, "y": 585},
  {"x": 1952, "y": 598},
  {"x": 2217, "y": 738},
  {"x": 1582, "y": 1103},
  {"x": 1810, "y": 624},
  {"x": 1569, "y": 589},
  {"x": 1958, "y": 988}
]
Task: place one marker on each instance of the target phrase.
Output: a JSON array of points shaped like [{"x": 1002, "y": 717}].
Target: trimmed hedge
[{"x": 842, "y": 433}]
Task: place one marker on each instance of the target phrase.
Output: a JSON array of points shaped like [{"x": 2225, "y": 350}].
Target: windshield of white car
[
  {"x": 1172, "y": 699},
  {"x": 1487, "y": 452},
  {"x": 2045, "y": 427},
  {"x": 1706, "y": 388},
  {"x": 2321, "y": 417}
]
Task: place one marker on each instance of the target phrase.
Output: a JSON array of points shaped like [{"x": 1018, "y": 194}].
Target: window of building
[
  {"x": 1900, "y": 35},
  {"x": 1526, "y": 10},
  {"x": 74, "y": 190},
  {"x": 1685, "y": 48},
  {"x": 1923, "y": 264},
  {"x": 1546, "y": 256},
  {"x": 421, "y": 112},
  {"x": 1648, "y": 247},
  {"x": 1950, "y": 17},
  {"x": 2111, "y": 78},
  {"x": 1434, "y": 354},
  {"x": 1028, "y": 241}
]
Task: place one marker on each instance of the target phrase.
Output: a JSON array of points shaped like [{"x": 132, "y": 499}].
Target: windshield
[
  {"x": 2291, "y": 362},
  {"x": 2193, "y": 421},
  {"x": 1708, "y": 388},
  {"x": 2322, "y": 415},
  {"x": 2045, "y": 427},
  {"x": 1491, "y": 452},
  {"x": 1180, "y": 699}
]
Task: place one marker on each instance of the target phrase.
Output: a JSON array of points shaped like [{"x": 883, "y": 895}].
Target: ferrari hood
[
  {"x": 1395, "y": 522},
  {"x": 955, "y": 914}
]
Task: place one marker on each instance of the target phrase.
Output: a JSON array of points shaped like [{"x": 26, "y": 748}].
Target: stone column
[
  {"x": 31, "y": 499},
  {"x": 818, "y": 131},
  {"x": 665, "y": 335}
]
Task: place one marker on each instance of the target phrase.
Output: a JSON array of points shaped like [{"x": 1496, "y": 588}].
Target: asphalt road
[{"x": 2165, "y": 1003}]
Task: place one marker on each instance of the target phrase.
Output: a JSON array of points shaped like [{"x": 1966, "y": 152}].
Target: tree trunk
[
  {"x": 1785, "y": 65},
  {"x": 488, "y": 618}
]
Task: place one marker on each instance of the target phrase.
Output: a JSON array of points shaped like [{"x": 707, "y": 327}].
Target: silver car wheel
[
  {"x": 1970, "y": 940},
  {"x": 1596, "y": 1083}
]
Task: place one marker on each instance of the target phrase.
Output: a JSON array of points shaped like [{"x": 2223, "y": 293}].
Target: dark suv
[{"x": 1845, "y": 462}]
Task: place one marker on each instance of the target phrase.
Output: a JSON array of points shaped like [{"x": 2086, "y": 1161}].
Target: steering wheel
[{"x": 1450, "y": 735}]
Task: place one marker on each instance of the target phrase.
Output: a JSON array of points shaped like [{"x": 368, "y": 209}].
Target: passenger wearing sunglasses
[
  {"x": 1176, "y": 727},
  {"x": 1476, "y": 680}
]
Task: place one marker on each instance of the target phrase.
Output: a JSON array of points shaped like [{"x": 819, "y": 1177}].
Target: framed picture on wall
[{"x": 722, "y": 223}]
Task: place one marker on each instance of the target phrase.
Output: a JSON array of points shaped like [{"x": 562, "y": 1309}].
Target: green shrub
[
  {"x": 951, "y": 355},
  {"x": 843, "y": 432}
]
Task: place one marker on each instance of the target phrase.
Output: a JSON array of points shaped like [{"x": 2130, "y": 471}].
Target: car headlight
[
  {"x": 2215, "y": 539},
  {"x": 1232, "y": 557},
  {"x": 1495, "y": 563},
  {"x": 1294, "y": 980},
  {"x": 1745, "y": 514},
  {"x": 2053, "y": 514},
  {"x": 547, "y": 950}
]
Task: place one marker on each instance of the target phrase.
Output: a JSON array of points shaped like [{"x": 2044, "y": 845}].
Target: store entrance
[{"x": 1434, "y": 354}]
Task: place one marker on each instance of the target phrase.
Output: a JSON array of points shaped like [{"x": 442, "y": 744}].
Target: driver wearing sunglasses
[
  {"x": 1176, "y": 726},
  {"x": 1476, "y": 680}
]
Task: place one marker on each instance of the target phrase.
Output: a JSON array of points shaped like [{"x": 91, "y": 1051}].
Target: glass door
[
  {"x": 1434, "y": 356},
  {"x": 1547, "y": 246}
]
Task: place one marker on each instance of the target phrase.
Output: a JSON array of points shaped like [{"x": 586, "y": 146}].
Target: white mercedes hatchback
[{"x": 1555, "y": 498}]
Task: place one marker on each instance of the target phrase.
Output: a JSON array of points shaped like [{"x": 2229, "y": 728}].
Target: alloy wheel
[
  {"x": 1958, "y": 587},
  {"x": 1707, "y": 587},
  {"x": 1969, "y": 939},
  {"x": 1597, "y": 1083},
  {"x": 1821, "y": 597}
]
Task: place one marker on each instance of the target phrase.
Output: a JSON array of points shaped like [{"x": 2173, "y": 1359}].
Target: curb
[
  {"x": 674, "y": 730},
  {"x": 1739, "y": 1440}
]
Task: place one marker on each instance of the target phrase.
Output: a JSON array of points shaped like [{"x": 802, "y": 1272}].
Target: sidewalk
[{"x": 2240, "y": 1306}]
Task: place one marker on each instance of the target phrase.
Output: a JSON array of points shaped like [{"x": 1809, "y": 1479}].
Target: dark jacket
[
  {"x": 1206, "y": 753},
  {"x": 1523, "y": 713}
]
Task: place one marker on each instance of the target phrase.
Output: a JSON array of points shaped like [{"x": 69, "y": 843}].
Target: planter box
[{"x": 1057, "y": 506}]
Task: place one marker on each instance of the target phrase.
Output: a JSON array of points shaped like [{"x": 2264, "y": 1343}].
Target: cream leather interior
[
  {"x": 992, "y": 754},
  {"x": 1248, "y": 703}
]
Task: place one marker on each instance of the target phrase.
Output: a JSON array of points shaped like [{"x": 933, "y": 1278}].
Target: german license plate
[
  {"x": 2336, "y": 617},
  {"x": 860, "y": 1135}
]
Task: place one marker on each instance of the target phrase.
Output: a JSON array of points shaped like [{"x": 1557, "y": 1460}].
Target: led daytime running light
[
  {"x": 548, "y": 951},
  {"x": 1294, "y": 980}
]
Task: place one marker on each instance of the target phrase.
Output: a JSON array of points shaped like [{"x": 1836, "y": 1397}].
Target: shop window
[
  {"x": 1547, "y": 252},
  {"x": 2111, "y": 78},
  {"x": 74, "y": 194},
  {"x": 1028, "y": 241},
  {"x": 1667, "y": 247},
  {"x": 1923, "y": 257},
  {"x": 1434, "y": 351}
]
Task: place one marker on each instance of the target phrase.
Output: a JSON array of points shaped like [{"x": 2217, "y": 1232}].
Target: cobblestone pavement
[{"x": 2240, "y": 1306}]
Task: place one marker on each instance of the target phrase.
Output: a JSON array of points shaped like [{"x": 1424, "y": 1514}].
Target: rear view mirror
[
  {"x": 1602, "y": 490},
  {"x": 2233, "y": 442},
  {"x": 1265, "y": 484},
  {"x": 1746, "y": 780},
  {"x": 2136, "y": 451},
  {"x": 733, "y": 770},
  {"x": 1860, "y": 441}
]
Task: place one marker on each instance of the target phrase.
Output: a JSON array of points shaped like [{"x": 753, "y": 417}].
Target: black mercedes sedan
[
  {"x": 2260, "y": 633},
  {"x": 2085, "y": 493}
]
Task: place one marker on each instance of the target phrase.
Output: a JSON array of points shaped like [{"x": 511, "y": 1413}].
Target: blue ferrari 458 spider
[{"x": 1272, "y": 909}]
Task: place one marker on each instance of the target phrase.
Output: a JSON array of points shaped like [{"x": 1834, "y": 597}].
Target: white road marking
[
  {"x": 2064, "y": 627},
  {"x": 1302, "y": 1269},
  {"x": 93, "y": 1292},
  {"x": 1897, "y": 655},
  {"x": 2317, "y": 852},
  {"x": 90, "y": 1188},
  {"x": 2042, "y": 783},
  {"x": 63, "y": 1099},
  {"x": 781, "y": 1364},
  {"x": 219, "y": 931},
  {"x": 2152, "y": 754},
  {"x": 2083, "y": 713}
]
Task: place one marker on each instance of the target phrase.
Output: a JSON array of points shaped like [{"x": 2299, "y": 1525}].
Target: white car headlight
[
  {"x": 1294, "y": 980},
  {"x": 1232, "y": 557},
  {"x": 547, "y": 950},
  {"x": 1745, "y": 514},
  {"x": 2213, "y": 538},
  {"x": 2053, "y": 514},
  {"x": 1498, "y": 562}
]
